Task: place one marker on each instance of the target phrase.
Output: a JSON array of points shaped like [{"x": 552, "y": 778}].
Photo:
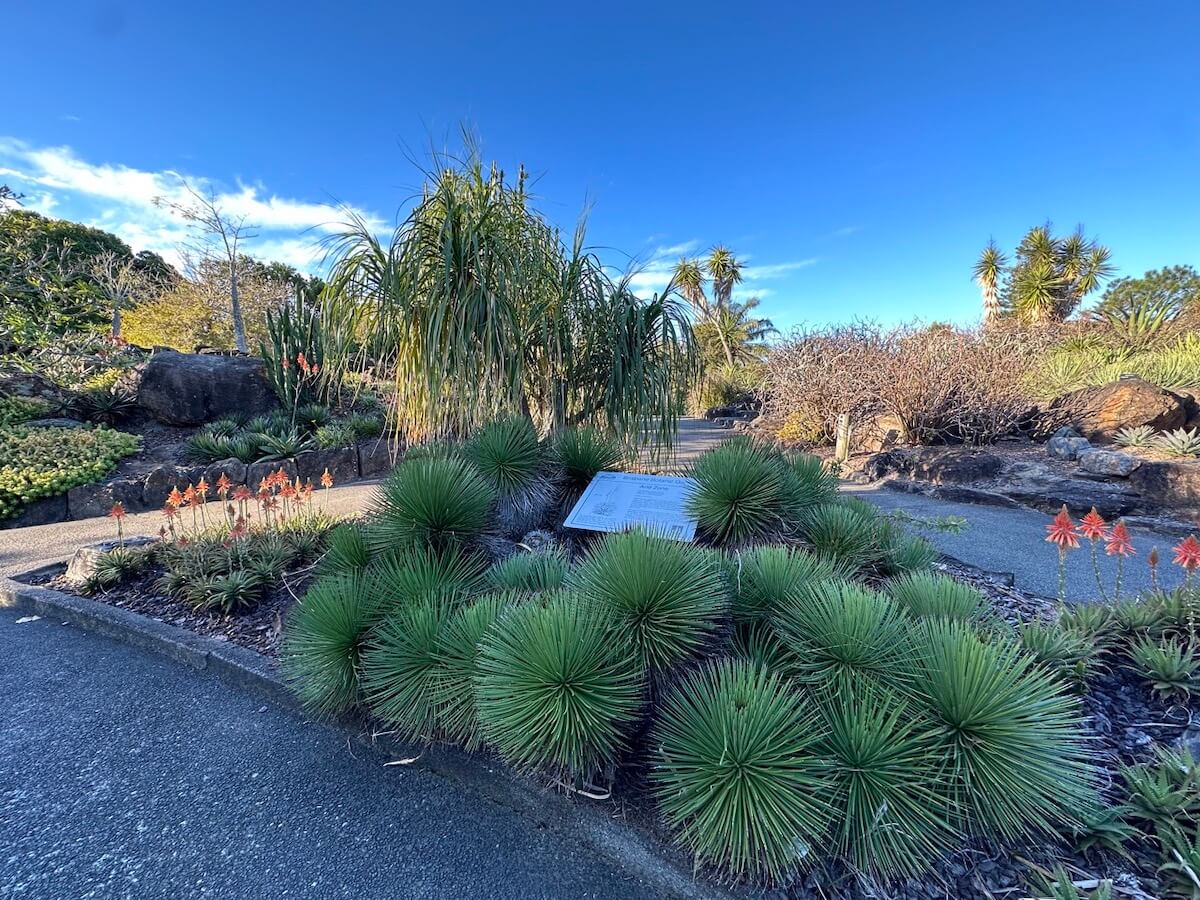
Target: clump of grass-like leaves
[
  {"x": 740, "y": 492},
  {"x": 400, "y": 666},
  {"x": 735, "y": 772},
  {"x": 890, "y": 818},
  {"x": 842, "y": 532},
  {"x": 932, "y": 596},
  {"x": 558, "y": 688},
  {"x": 580, "y": 454},
  {"x": 507, "y": 453},
  {"x": 842, "y": 636},
  {"x": 414, "y": 573},
  {"x": 323, "y": 641},
  {"x": 535, "y": 571},
  {"x": 663, "y": 595},
  {"x": 346, "y": 551},
  {"x": 765, "y": 576},
  {"x": 1009, "y": 732},
  {"x": 432, "y": 500}
]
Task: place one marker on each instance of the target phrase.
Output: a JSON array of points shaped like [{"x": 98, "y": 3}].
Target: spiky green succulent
[
  {"x": 507, "y": 453},
  {"x": 535, "y": 571},
  {"x": 928, "y": 595},
  {"x": 434, "y": 500},
  {"x": 766, "y": 576},
  {"x": 740, "y": 492}
]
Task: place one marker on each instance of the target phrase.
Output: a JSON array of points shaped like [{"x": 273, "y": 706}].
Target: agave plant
[
  {"x": 1065, "y": 653},
  {"x": 206, "y": 447},
  {"x": 1135, "y": 436},
  {"x": 1180, "y": 442},
  {"x": 534, "y": 572},
  {"x": 1171, "y": 667},
  {"x": 557, "y": 688},
  {"x": 927, "y": 595},
  {"x": 278, "y": 447},
  {"x": 1164, "y": 791},
  {"x": 323, "y": 641},
  {"x": 766, "y": 576},
  {"x": 662, "y": 595},
  {"x": 433, "y": 500},
  {"x": 346, "y": 551},
  {"x": 740, "y": 492},
  {"x": 735, "y": 770},
  {"x": 1011, "y": 734}
]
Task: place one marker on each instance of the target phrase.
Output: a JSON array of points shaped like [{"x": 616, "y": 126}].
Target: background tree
[
  {"x": 1151, "y": 308},
  {"x": 1049, "y": 275},
  {"x": 724, "y": 271},
  {"x": 226, "y": 232},
  {"x": 988, "y": 272},
  {"x": 9, "y": 197}
]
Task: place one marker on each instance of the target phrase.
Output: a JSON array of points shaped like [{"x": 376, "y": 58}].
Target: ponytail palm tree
[
  {"x": 478, "y": 309},
  {"x": 987, "y": 273}
]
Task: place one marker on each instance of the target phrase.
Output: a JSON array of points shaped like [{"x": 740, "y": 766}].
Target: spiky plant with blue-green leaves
[
  {"x": 346, "y": 551},
  {"x": 809, "y": 483},
  {"x": 323, "y": 640},
  {"x": 1011, "y": 734},
  {"x": 533, "y": 571},
  {"x": 437, "y": 501},
  {"x": 507, "y": 453},
  {"x": 929, "y": 595},
  {"x": 558, "y": 688},
  {"x": 664, "y": 596},
  {"x": 765, "y": 576},
  {"x": 579, "y": 454},
  {"x": 400, "y": 666},
  {"x": 412, "y": 573},
  {"x": 900, "y": 553},
  {"x": 890, "y": 818},
  {"x": 841, "y": 636},
  {"x": 740, "y": 493},
  {"x": 735, "y": 770},
  {"x": 842, "y": 532},
  {"x": 458, "y": 666}
]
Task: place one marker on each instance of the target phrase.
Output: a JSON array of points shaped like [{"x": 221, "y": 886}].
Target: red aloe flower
[
  {"x": 170, "y": 511},
  {"x": 264, "y": 486},
  {"x": 287, "y": 490},
  {"x": 1093, "y": 527},
  {"x": 1187, "y": 554},
  {"x": 1062, "y": 531},
  {"x": 189, "y": 495},
  {"x": 223, "y": 485},
  {"x": 1119, "y": 543},
  {"x": 326, "y": 479},
  {"x": 241, "y": 493},
  {"x": 202, "y": 489},
  {"x": 118, "y": 511},
  {"x": 174, "y": 498},
  {"x": 302, "y": 362}
]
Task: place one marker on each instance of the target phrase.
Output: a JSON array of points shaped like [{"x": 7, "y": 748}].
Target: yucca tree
[
  {"x": 1049, "y": 276},
  {"x": 733, "y": 334},
  {"x": 477, "y": 308},
  {"x": 725, "y": 270},
  {"x": 987, "y": 273}
]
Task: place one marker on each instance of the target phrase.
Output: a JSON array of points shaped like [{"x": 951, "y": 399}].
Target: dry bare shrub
[{"x": 944, "y": 384}]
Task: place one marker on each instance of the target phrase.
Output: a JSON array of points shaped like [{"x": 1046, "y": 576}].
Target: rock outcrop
[{"x": 190, "y": 388}]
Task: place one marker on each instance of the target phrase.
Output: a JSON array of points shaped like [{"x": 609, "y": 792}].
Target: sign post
[{"x": 617, "y": 501}]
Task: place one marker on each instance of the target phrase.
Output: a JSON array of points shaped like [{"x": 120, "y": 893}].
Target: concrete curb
[{"x": 593, "y": 825}]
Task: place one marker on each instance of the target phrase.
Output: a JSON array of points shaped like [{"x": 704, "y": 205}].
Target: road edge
[{"x": 628, "y": 847}]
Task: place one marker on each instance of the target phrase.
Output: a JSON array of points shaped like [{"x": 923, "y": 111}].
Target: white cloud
[
  {"x": 847, "y": 230},
  {"x": 775, "y": 270},
  {"x": 123, "y": 199}
]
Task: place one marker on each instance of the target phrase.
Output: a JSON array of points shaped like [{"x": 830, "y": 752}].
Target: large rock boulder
[
  {"x": 1168, "y": 483},
  {"x": 189, "y": 388},
  {"x": 1098, "y": 413}
]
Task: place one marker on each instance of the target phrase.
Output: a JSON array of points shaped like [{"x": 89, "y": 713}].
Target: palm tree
[
  {"x": 987, "y": 273},
  {"x": 735, "y": 334}
]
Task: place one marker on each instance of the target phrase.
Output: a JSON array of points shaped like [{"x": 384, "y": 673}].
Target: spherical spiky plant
[
  {"x": 346, "y": 551},
  {"x": 1011, "y": 733},
  {"x": 890, "y": 819},
  {"x": 323, "y": 640},
  {"x": 843, "y": 533},
  {"x": 437, "y": 501},
  {"x": 840, "y": 635},
  {"x": 808, "y": 484},
  {"x": 928, "y": 595},
  {"x": 906, "y": 553},
  {"x": 458, "y": 666},
  {"x": 540, "y": 570},
  {"x": 662, "y": 595},
  {"x": 580, "y": 454},
  {"x": 400, "y": 667},
  {"x": 739, "y": 493},
  {"x": 765, "y": 576},
  {"x": 734, "y": 770},
  {"x": 558, "y": 688},
  {"x": 508, "y": 454},
  {"x": 412, "y": 573}
]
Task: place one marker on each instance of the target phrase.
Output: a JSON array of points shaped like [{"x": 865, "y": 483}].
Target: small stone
[
  {"x": 83, "y": 563},
  {"x": 1108, "y": 462},
  {"x": 54, "y": 423},
  {"x": 539, "y": 540},
  {"x": 1067, "y": 447}
]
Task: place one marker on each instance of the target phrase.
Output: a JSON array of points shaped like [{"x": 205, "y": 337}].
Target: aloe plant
[
  {"x": 1180, "y": 442},
  {"x": 1135, "y": 436}
]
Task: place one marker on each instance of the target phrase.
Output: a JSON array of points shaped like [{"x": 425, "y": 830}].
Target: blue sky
[{"x": 856, "y": 155}]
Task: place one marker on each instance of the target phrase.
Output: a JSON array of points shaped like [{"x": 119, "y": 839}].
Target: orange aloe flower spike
[
  {"x": 1093, "y": 527},
  {"x": 1187, "y": 554},
  {"x": 1119, "y": 542},
  {"x": 1062, "y": 532}
]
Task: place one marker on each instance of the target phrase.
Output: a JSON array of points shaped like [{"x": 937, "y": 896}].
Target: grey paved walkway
[{"x": 126, "y": 775}]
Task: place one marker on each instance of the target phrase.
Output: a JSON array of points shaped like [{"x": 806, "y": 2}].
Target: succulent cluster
[{"x": 279, "y": 436}]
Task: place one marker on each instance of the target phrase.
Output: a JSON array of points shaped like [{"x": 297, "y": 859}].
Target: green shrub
[
  {"x": 415, "y": 573},
  {"x": 1010, "y": 734},
  {"x": 1171, "y": 667},
  {"x": 346, "y": 551},
  {"x": 808, "y": 482},
  {"x": 106, "y": 405},
  {"x": 884, "y": 764},
  {"x": 234, "y": 591},
  {"x": 735, "y": 771},
  {"x": 842, "y": 533},
  {"x": 841, "y": 636},
  {"x": 1164, "y": 791},
  {"x": 44, "y": 462},
  {"x": 740, "y": 493},
  {"x": 323, "y": 641},
  {"x": 540, "y": 570},
  {"x": 364, "y": 425},
  {"x": 558, "y": 688},
  {"x": 458, "y": 668},
  {"x": 400, "y": 666},
  {"x": 1061, "y": 651},
  {"x": 926, "y": 595},
  {"x": 206, "y": 447},
  {"x": 332, "y": 437},
  {"x": 768, "y": 575},
  {"x": 581, "y": 453},
  {"x": 508, "y": 454},
  {"x": 278, "y": 447},
  {"x": 311, "y": 416},
  {"x": 662, "y": 595},
  {"x": 433, "y": 500},
  {"x": 1181, "y": 864},
  {"x": 17, "y": 410},
  {"x": 901, "y": 553},
  {"x": 1104, "y": 829},
  {"x": 115, "y": 566}
]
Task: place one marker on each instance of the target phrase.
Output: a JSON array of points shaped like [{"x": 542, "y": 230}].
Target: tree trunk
[
  {"x": 116, "y": 321},
  {"x": 239, "y": 330}
]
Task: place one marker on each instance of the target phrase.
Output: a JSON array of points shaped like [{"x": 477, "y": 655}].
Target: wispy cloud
[
  {"x": 67, "y": 117},
  {"x": 847, "y": 230},
  {"x": 123, "y": 199},
  {"x": 654, "y": 274}
]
